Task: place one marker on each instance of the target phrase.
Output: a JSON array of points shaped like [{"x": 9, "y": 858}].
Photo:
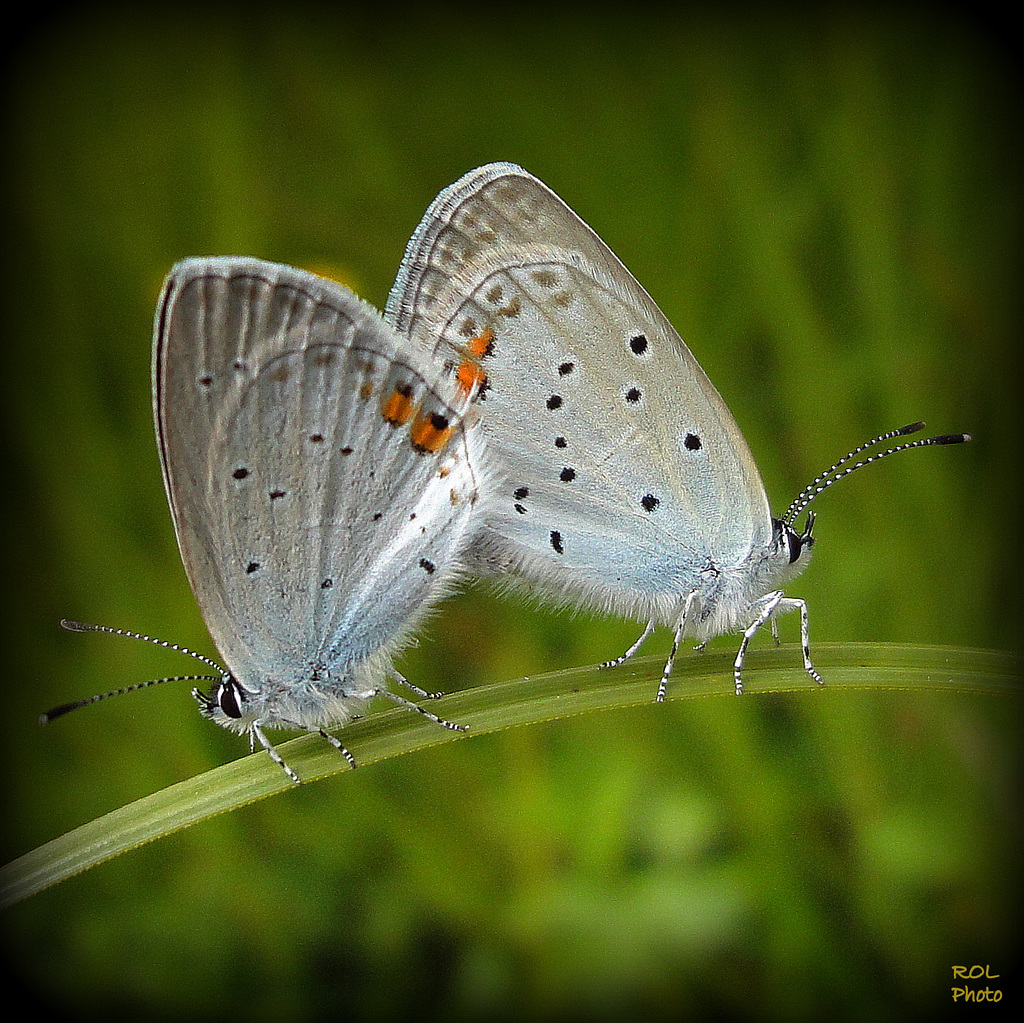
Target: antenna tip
[
  {"x": 64, "y": 708},
  {"x": 910, "y": 428},
  {"x": 73, "y": 626},
  {"x": 951, "y": 438}
]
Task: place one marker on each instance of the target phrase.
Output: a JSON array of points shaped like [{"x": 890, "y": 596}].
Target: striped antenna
[
  {"x": 836, "y": 472},
  {"x": 71, "y": 626}
]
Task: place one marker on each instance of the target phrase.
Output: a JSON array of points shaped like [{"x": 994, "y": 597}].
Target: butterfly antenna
[
  {"x": 72, "y": 626},
  {"x": 840, "y": 469}
]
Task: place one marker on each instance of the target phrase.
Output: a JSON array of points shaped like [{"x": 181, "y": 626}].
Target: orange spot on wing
[
  {"x": 430, "y": 431},
  {"x": 398, "y": 406},
  {"x": 469, "y": 374}
]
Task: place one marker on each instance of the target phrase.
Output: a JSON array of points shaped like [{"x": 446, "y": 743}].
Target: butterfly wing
[
  {"x": 627, "y": 482},
  {"x": 321, "y": 476}
]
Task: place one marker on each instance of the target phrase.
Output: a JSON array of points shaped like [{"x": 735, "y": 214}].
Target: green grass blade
[{"x": 492, "y": 708}]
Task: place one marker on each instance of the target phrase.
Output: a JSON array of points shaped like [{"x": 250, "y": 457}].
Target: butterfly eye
[
  {"x": 227, "y": 697},
  {"x": 795, "y": 544}
]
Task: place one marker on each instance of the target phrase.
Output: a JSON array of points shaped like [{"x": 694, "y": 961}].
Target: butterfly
[{"x": 626, "y": 484}]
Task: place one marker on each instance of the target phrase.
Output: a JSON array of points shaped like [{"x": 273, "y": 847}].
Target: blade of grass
[{"x": 493, "y": 708}]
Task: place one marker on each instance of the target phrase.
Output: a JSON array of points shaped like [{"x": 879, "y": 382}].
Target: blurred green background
[{"x": 827, "y": 207}]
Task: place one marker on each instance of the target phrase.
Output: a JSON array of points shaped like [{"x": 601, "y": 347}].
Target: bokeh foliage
[{"x": 827, "y": 207}]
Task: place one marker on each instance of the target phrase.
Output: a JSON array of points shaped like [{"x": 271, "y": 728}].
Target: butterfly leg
[
  {"x": 408, "y": 704},
  {"x": 768, "y": 606},
  {"x": 632, "y": 650},
  {"x": 422, "y": 693},
  {"x": 795, "y": 604},
  {"x": 684, "y": 621},
  {"x": 772, "y": 605},
  {"x": 256, "y": 732},
  {"x": 805, "y": 641},
  {"x": 336, "y": 743}
]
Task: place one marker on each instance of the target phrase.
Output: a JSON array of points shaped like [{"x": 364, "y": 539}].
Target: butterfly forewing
[
  {"x": 616, "y": 447},
  {"x": 318, "y": 474}
]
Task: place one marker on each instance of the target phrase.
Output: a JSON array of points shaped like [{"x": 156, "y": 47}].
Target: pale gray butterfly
[
  {"x": 627, "y": 484},
  {"x": 322, "y": 477}
]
